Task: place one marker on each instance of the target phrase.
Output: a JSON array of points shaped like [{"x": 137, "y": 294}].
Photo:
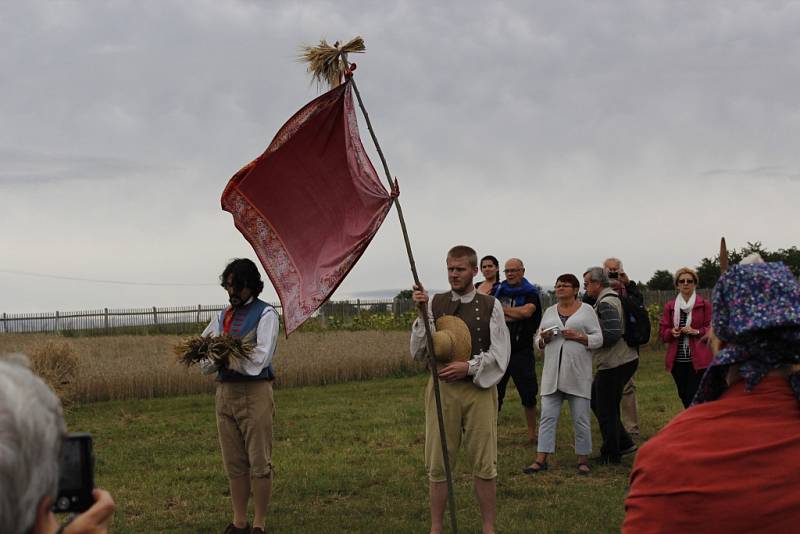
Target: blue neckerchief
[{"x": 517, "y": 293}]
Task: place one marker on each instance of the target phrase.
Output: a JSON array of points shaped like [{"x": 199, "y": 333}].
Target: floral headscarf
[{"x": 757, "y": 313}]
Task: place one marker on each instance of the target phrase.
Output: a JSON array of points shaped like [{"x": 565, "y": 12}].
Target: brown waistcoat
[{"x": 476, "y": 314}]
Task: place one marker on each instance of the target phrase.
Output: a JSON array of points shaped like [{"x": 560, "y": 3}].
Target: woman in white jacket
[{"x": 569, "y": 329}]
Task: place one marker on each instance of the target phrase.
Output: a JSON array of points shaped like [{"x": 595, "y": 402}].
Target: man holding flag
[{"x": 468, "y": 392}]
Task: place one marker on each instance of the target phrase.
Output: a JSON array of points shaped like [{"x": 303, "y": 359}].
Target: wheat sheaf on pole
[{"x": 326, "y": 63}]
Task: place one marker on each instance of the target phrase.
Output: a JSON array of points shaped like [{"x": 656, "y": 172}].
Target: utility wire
[{"x": 98, "y": 281}]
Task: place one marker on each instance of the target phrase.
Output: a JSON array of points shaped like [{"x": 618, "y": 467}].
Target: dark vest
[
  {"x": 476, "y": 314},
  {"x": 245, "y": 326}
]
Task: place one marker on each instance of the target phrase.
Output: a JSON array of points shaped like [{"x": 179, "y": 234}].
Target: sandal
[
  {"x": 535, "y": 467},
  {"x": 584, "y": 472}
]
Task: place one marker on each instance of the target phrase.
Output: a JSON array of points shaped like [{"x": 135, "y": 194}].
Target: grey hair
[
  {"x": 598, "y": 274},
  {"x": 32, "y": 430},
  {"x": 615, "y": 260}
]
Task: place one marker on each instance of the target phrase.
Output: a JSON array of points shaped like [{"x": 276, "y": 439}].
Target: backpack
[{"x": 637, "y": 321}]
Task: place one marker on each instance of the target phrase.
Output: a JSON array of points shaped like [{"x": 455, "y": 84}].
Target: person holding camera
[
  {"x": 32, "y": 434},
  {"x": 626, "y": 288},
  {"x": 568, "y": 331}
]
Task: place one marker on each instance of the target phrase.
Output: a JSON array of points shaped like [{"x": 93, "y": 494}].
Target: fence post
[
  {"x": 155, "y": 316},
  {"x": 199, "y": 309},
  {"x": 5, "y": 327},
  {"x": 56, "y": 329}
]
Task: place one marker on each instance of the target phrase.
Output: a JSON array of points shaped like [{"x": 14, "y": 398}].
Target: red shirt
[{"x": 730, "y": 465}]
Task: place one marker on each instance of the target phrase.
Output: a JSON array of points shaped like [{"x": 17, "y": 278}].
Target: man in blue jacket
[{"x": 523, "y": 313}]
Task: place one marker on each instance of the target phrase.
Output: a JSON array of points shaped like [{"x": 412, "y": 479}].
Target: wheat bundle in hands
[{"x": 222, "y": 350}]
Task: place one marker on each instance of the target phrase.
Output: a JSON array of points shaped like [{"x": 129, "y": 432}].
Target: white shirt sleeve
[
  {"x": 419, "y": 347},
  {"x": 206, "y": 366},
  {"x": 267, "y": 336},
  {"x": 594, "y": 334},
  {"x": 488, "y": 367}
]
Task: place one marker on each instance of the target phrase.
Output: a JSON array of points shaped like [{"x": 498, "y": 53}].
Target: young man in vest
[
  {"x": 468, "y": 392},
  {"x": 244, "y": 404}
]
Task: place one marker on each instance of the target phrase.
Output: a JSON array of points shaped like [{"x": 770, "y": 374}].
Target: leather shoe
[{"x": 233, "y": 529}]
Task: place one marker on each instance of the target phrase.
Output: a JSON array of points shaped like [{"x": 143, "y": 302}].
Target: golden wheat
[{"x": 127, "y": 367}]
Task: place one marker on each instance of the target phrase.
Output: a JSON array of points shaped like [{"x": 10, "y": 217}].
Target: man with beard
[{"x": 244, "y": 403}]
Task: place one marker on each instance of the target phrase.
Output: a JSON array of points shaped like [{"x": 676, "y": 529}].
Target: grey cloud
[
  {"x": 768, "y": 171},
  {"x": 25, "y": 167}
]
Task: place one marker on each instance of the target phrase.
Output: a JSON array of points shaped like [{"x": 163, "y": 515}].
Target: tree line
[{"x": 708, "y": 271}]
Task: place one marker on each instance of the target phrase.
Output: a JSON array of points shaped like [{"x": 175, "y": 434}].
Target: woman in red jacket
[{"x": 684, "y": 327}]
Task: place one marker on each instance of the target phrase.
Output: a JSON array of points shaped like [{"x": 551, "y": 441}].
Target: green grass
[{"x": 349, "y": 458}]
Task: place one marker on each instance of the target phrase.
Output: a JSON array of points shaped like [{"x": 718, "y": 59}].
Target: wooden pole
[{"x": 423, "y": 309}]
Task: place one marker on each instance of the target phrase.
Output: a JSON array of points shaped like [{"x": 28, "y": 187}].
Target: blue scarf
[{"x": 516, "y": 293}]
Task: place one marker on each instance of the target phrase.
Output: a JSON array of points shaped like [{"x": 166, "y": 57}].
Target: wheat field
[{"x": 89, "y": 369}]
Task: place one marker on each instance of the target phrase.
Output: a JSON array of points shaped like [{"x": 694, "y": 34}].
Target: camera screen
[{"x": 71, "y": 476}]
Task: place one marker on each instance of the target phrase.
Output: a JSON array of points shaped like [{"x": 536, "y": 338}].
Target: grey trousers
[
  {"x": 629, "y": 408},
  {"x": 579, "y": 408}
]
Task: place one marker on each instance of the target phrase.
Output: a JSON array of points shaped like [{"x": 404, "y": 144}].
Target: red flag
[{"x": 310, "y": 204}]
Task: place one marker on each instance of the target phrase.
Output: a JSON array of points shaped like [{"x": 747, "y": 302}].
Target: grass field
[{"x": 349, "y": 458}]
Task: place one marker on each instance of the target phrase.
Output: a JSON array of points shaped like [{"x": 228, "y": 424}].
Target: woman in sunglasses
[{"x": 684, "y": 328}]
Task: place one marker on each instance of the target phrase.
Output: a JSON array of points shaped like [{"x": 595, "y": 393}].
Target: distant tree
[
  {"x": 791, "y": 257},
  {"x": 662, "y": 280},
  {"x": 403, "y": 295},
  {"x": 708, "y": 270}
]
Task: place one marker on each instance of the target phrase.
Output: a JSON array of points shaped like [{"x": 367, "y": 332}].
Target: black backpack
[{"x": 637, "y": 321}]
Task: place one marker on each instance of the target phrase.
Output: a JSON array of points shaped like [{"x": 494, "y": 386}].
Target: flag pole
[{"x": 423, "y": 309}]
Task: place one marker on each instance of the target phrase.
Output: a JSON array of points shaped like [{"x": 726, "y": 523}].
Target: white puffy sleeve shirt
[
  {"x": 485, "y": 368},
  {"x": 266, "y": 340}
]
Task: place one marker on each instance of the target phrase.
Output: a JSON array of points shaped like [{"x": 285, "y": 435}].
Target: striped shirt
[{"x": 684, "y": 352}]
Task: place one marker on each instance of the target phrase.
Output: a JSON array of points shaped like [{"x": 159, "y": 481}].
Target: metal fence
[{"x": 114, "y": 320}]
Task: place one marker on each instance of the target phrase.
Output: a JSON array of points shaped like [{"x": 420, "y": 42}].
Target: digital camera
[{"x": 76, "y": 475}]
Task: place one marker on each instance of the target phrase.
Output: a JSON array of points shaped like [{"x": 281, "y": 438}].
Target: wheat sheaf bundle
[
  {"x": 221, "y": 350},
  {"x": 325, "y": 62}
]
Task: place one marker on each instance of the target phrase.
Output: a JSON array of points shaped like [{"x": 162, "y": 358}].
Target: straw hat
[{"x": 452, "y": 341}]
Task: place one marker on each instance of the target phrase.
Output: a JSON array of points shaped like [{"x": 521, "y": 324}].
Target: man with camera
[
  {"x": 625, "y": 288},
  {"x": 244, "y": 404},
  {"x": 32, "y": 481}
]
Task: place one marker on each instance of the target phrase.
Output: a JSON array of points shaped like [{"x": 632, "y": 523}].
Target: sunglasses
[
  {"x": 511, "y": 270},
  {"x": 686, "y": 281}
]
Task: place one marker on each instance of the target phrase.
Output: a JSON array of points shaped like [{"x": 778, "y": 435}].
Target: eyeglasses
[
  {"x": 686, "y": 281},
  {"x": 511, "y": 270}
]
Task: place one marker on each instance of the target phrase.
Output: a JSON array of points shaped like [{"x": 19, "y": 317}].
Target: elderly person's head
[
  {"x": 567, "y": 287},
  {"x": 686, "y": 281},
  {"x": 595, "y": 279},
  {"x": 757, "y": 321},
  {"x": 32, "y": 430}
]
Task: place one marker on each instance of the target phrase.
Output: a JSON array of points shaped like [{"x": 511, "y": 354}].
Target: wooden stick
[
  {"x": 723, "y": 256},
  {"x": 423, "y": 309}
]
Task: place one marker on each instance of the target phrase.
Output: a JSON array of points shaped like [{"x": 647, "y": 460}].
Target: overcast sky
[{"x": 559, "y": 132}]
